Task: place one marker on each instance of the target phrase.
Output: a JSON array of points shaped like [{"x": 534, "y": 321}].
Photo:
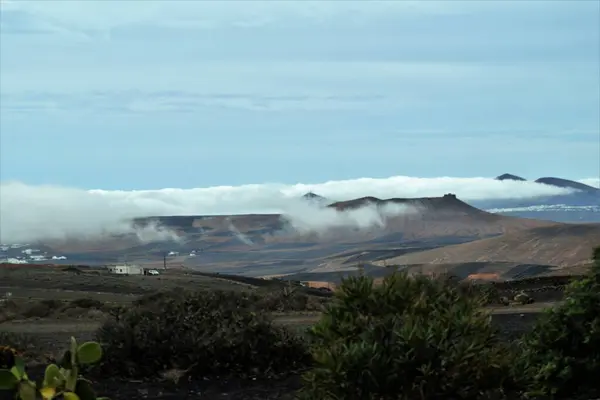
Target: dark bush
[
  {"x": 42, "y": 308},
  {"x": 281, "y": 299},
  {"x": 410, "y": 338},
  {"x": 153, "y": 299},
  {"x": 287, "y": 300},
  {"x": 211, "y": 333},
  {"x": 87, "y": 303},
  {"x": 562, "y": 352}
]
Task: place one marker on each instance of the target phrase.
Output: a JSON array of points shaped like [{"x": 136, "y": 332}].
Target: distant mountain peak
[
  {"x": 315, "y": 199},
  {"x": 312, "y": 195},
  {"x": 566, "y": 183},
  {"x": 509, "y": 177}
]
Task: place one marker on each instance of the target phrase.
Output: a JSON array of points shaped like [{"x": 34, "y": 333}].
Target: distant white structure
[
  {"x": 126, "y": 269},
  {"x": 37, "y": 258},
  {"x": 15, "y": 261},
  {"x": 29, "y": 251},
  {"x": 173, "y": 253},
  {"x": 59, "y": 257}
]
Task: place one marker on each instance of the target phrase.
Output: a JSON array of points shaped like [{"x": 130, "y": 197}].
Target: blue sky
[{"x": 142, "y": 95}]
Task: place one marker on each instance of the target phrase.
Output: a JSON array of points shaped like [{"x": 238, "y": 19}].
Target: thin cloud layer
[
  {"x": 29, "y": 213},
  {"x": 594, "y": 182}
]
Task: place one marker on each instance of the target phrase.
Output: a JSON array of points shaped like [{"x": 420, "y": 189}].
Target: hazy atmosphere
[
  {"x": 147, "y": 95},
  {"x": 34, "y": 212},
  {"x": 326, "y": 199},
  {"x": 238, "y": 107}
]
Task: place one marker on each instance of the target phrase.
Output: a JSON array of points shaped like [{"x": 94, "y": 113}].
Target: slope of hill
[
  {"x": 582, "y": 205},
  {"x": 566, "y": 183},
  {"x": 553, "y": 181},
  {"x": 446, "y": 204},
  {"x": 560, "y": 245},
  {"x": 264, "y": 244},
  {"x": 421, "y": 218}
]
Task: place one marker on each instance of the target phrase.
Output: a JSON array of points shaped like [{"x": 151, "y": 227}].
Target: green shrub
[
  {"x": 286, "y": 300},
  {"x": 562, "y": 352},
  {"x": 205, "y": 333},
  {"x": 523, "y": 298},
  {"x": 409, "y": 338}
]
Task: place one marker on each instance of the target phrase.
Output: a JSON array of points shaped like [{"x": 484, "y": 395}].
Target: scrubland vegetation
[{"x": 408, "y": 338}]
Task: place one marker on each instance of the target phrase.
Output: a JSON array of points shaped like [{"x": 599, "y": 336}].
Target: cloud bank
[
  {"x": 594, "y": 182},
  {"x": 29, "y": 213}
]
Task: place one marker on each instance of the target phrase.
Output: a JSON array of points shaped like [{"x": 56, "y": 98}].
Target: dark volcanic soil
[
  {"x": 283, "y": 388},
  {"x": 52, "y": 339}
]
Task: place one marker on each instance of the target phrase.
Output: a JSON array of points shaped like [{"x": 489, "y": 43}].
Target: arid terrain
[
  {"x": 440, "y": 230},
  {"x": 267, "y": 254},
  {"x": 49, "y": 304},
  {"x": 561, "y": 245}
]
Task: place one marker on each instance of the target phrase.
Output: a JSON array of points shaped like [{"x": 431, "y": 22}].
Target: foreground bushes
[
  {"x": 410, "y": 338},
  {"x": 562, "y": 351},
  {"x": 422, "y": 338},
  {"x": 204, "y": 333},
  {"x": 284, "y": 299}
]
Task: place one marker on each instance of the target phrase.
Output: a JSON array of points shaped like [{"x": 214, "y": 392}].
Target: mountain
[
  {"x": 583, "y": 205},
  {"x": 553, "y": 181},
  {"x": 447, "y": 203},
  {"x": 559, "y": 245},
  {"x": 314, "y": 198},
  {"x": 263, "y": 244},
  {"x": 311, "y": 195},
  {"x": 509, "y": 177},
  {"x": 566, "y": 183}
]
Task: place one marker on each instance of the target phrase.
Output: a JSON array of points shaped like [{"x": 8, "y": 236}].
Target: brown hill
[
  {"x": 447, "y": 203},
  {"x": 560, "y": 245},
  {"x": 441, "y": 219},
  {"x": 446, "y": 216}
]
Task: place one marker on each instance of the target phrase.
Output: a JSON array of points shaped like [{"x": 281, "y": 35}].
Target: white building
[
  {"x": 126, "y": 269},
  {"x": 12, "y": 260}
]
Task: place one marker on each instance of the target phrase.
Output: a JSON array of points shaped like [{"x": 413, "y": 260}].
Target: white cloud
[
  {"x": 107, "y": 14},
  {"x": 32, "y": 213},
  {"x": 595, "y": 182}
]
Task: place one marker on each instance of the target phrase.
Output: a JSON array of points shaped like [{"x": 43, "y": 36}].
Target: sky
[
  {"x": 122, "y": 95},
  {"x": 111, "y": 110}
]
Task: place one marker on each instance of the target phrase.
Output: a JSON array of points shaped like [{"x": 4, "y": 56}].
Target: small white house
[{"x": 126, "y": 269}]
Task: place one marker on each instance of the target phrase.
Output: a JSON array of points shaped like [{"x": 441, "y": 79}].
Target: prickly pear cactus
[
  {"x": 7, "y": 357},
  {"x": 61, "y": 381}
]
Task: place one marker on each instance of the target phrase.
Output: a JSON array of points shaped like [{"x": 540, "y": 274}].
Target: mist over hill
[{"x": 582, "y": 204}]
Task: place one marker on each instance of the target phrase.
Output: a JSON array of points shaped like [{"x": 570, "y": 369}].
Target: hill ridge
[{"x": 557, "y": 244}]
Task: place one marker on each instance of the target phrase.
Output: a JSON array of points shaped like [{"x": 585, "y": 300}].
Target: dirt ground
[
  {"x": 68, "y": 282},
  {"x": 27, "y": 285}
]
